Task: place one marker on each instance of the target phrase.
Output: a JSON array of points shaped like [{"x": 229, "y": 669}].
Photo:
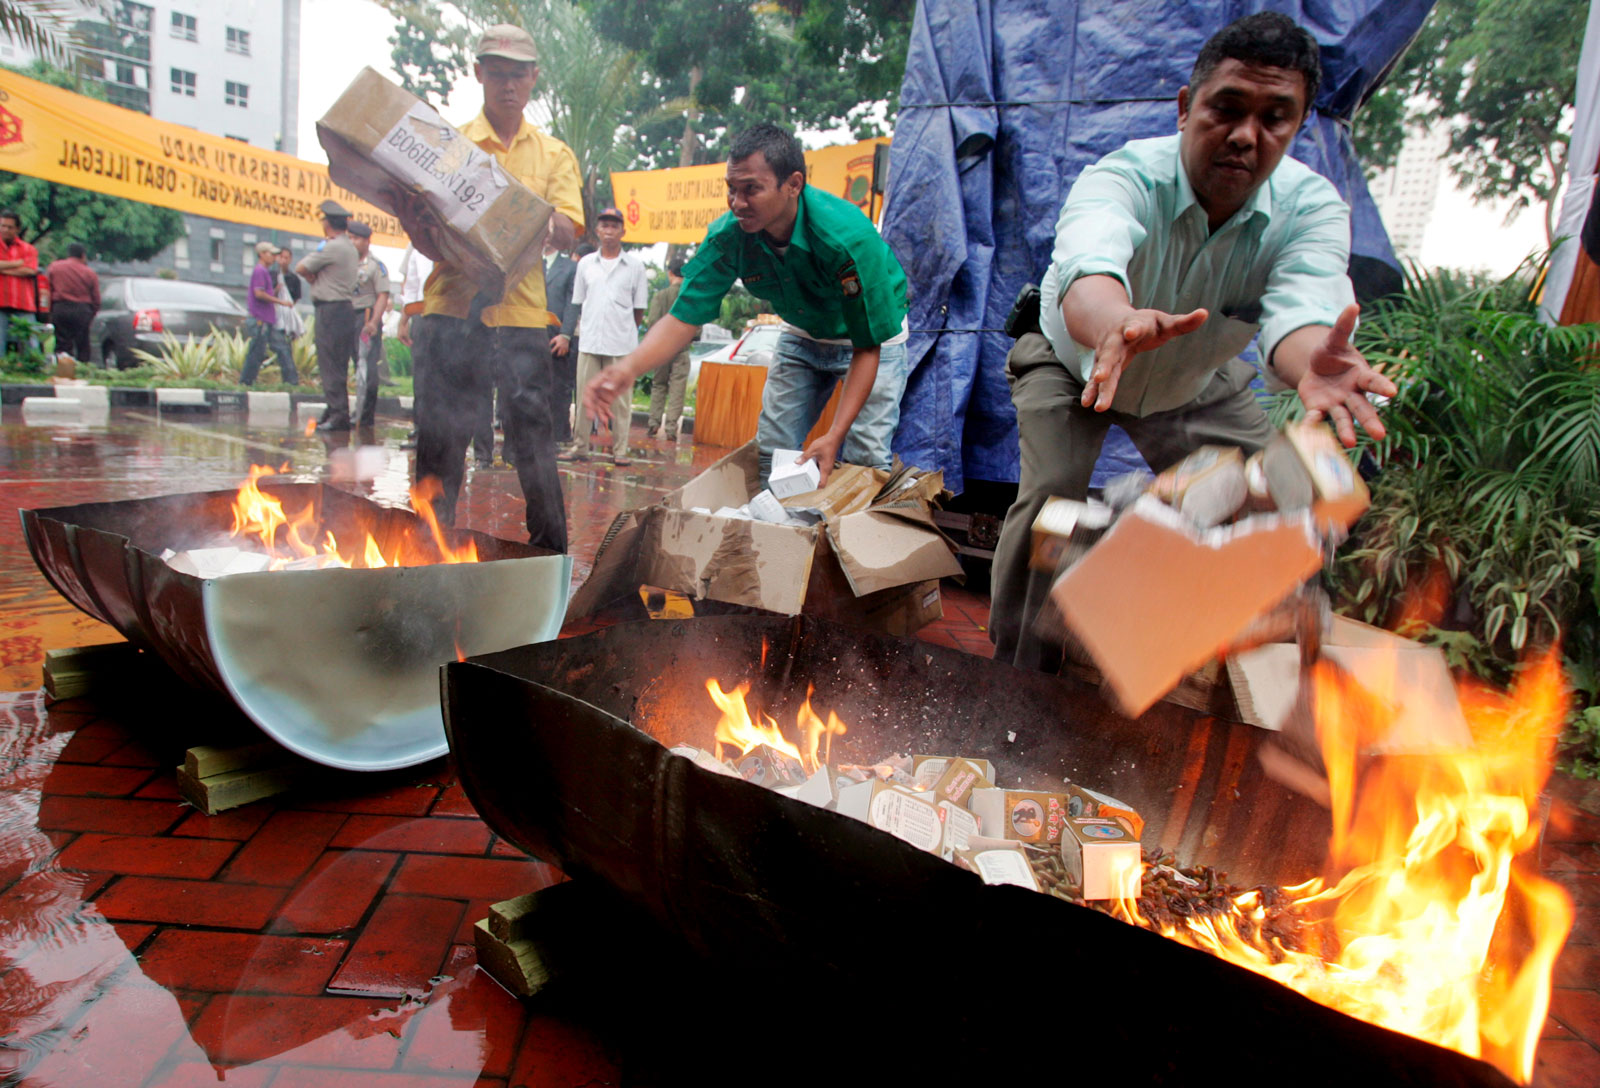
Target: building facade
[
  {"x": 1407, "y": 192},
  {"x": 227, "y": 67}
]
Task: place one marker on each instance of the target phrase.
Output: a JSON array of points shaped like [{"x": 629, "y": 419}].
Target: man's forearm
[
  {"x": 1093, "y": 306},
  {"x": 663, "y": 343},
  {"x": 563, "y": 232},
  {"x": 858, "y": 382},
  {"x": 380, "y": 307},
  {"x": 1292, "y": 357}
]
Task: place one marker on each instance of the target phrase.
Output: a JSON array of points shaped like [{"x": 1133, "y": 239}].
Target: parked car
[
  {"x": 756, "y": 348},
  {"x": 136, "y": 310}
]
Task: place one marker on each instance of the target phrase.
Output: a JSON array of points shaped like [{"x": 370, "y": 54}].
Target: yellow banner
[
  {"x": 50, "y": 133},
  {"x": 677, "y": 205}
]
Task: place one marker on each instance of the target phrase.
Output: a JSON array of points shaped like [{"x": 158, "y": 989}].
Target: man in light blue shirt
[{"x": 1170, "y": 255}]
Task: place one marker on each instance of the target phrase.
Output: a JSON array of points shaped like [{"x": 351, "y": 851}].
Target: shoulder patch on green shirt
[{"x": 849, "y": 281}]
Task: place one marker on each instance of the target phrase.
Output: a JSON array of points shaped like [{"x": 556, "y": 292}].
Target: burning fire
[
  {"x": 291, "y": 540},
  {"x": 738, "y": 728},
  {"x": 1434, "y": 927}
]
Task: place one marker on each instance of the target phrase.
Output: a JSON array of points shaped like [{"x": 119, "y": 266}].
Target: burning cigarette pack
[
  {"x": 1083, "y": 801},
  {"x": 766, "y": 766},
  {"x": 1021, "y": 815},
  {"x": 1103, "y": 859},
  {"x": 1000, "y": 865}
]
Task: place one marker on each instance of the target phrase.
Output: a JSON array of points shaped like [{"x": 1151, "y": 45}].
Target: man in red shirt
[
  {"x": 19, "y": 273},
  {"x": 74, "y": 300}
]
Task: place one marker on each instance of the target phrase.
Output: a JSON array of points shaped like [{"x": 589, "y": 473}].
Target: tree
[
  {"x": 54, "y": 215},
  {"x": 44, "y": 26},
  {"x": 1501, "y": 74}
]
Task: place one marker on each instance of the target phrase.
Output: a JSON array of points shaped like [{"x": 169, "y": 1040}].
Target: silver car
[{"x": 136, "y": 310}]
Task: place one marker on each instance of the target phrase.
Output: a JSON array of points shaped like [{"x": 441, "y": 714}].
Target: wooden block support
[
  {"x": 83, "y": 670},
  {"x": 215, "y": 779},
  {"x": 507, "y": 944}
]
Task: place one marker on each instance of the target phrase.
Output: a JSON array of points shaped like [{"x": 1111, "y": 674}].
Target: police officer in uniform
[
  {"x": 371, "y": 302},
  {"x": 331, "y": 272}
]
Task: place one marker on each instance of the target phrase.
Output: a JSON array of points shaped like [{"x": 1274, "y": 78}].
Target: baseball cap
[
  {"x": 265, "y": 247},
  {"x": 509, "y": 41},
  {"x": 360, "y": 229},
  {"x": 610, "y": 213}
]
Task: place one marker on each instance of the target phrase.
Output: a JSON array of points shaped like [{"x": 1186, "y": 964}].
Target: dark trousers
[
  {"x": 1061, "y": 441},
  {"x": 465, "y": 363},
  {"x": 566, "y": 384},
  {"x": 71, "y": 321},
  {"x": 338, "y": 329},
  {"x": 265, "y": 338}
]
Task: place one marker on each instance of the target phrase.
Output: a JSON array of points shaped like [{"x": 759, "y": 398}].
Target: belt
[{"x": 331, "y": 302}]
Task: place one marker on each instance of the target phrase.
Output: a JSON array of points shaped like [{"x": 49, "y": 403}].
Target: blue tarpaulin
[{"x": 1004, "y": 102}]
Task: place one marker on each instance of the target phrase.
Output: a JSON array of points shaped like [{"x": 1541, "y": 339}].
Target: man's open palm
[
  {"x": 1142, "y": 330},
  {"x": 1337, "y": 382}
]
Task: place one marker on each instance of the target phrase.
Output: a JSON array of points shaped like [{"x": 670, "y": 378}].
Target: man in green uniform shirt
[{"x": 831, "y": 277}]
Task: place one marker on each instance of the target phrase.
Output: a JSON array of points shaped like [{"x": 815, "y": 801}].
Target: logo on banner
[
  {"x": 633, "y": 208},
  {"x": 10, "y": 128}
]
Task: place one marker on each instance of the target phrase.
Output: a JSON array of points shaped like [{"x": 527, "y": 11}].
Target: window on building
[
  {"x": 216, "y": 249},
  {"x": 183, "y": 26},
  {"x": 183, "y": 82},
  {"x": 238, "y": 41},
  {"x": 237, "y": 94}
]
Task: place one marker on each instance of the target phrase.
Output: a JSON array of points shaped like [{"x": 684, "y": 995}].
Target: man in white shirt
[
  {"x": 414, "y": 271},
  {"x": 611, "y": 290}
]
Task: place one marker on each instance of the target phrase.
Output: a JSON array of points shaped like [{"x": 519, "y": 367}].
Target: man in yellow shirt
[{"x": 475, "y": 344}]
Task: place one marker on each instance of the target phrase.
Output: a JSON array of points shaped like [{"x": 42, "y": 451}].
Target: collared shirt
[
  {"x": 836, "y": 279},
  {"x": 546, "y": 166},
  {"x": 372, "y": 280},
  {"x": 71, "y": 280},
  {"x": 335, "y": 267},
  {"x": 19, "y": 292},
  {"x": 1280, "y": 263},
  {"x": 607, "y": 294},
  {"x": 261, "y": 280}
]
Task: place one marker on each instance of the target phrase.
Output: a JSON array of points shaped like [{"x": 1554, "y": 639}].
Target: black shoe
[
  {"x": 336, "y": 424},
  {"x": 486, "y": 462}
]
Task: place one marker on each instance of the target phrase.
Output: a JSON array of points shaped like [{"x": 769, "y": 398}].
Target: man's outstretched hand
[
  {"x": 1337, "y": 381},
  {"x": 1142, "y": 330},
  {"x": 604, "y": 388}
]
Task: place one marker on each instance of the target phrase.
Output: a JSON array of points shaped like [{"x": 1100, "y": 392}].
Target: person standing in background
[
  {"x": 611, "y": 290},
  {"x": 19, "y": 271},
  {"x": 290, "y": 323},
  {"x": 264, "y": 303},
  {"x": 415, "y": 268},
  {"x": 371, "y": 302},
  {"x": 558, "y": 271},
  {"x": 331, "y": 272},
  {"x": 74, "y": 300},
  {"x": 669, "y": 379}
]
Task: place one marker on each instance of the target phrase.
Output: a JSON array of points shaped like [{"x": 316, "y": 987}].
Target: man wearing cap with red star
[{"x": 475, "y": 344}]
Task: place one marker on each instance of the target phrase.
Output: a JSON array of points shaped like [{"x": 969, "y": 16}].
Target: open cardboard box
[
  {"x": 874, "y": 560},
  {"x": 383, "y": 142}
]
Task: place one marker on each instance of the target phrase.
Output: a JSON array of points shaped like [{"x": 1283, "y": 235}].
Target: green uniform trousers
[{"x": 1061, "y": 441}]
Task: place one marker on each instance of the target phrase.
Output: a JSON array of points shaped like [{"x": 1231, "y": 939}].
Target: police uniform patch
[{"x": 849, "y": 282}]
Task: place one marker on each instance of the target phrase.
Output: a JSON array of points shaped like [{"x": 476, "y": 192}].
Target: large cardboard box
[
  {"x": 874, "y": 559},
  {"x": 383, "y": 142}
]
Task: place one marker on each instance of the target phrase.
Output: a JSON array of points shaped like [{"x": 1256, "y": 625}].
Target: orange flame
[
  {"x": 1441, "y": 927},
  {"x": 738, "y": 728},
  {"x": 259, "y": 515}
]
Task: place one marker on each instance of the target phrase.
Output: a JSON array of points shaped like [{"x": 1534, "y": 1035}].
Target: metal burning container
[
  {"x": 562, "y": 747},
  {"x": 338, "y": 665}
]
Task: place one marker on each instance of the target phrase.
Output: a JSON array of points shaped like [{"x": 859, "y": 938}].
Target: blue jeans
[
  {"x": 265, "y": 338},
  {"x": 799, "y": 384}
]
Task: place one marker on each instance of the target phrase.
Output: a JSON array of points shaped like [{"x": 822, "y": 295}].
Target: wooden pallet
[{"x": 214, "y": 779}]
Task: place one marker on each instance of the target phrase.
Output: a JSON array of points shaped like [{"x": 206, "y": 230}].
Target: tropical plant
[
  {"x": 304, "y": 350},
  {"x": 229, "y": 350},
  {"x": 42, "y": 26},
  {"x": 187, "y": 358}
]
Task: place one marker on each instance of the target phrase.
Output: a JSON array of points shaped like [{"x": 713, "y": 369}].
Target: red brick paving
[{"x": 373, "y": 884}]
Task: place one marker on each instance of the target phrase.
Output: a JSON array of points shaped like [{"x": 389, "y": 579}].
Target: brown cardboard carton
[
  {"x": 383, "y": 142},
  {"x": 1306, "y": 467},
  {"x": 1208, "y": 486},
  {"x": 1156, "y": 598},
  {"x": 766, "y": 766},
  {"x": 1083, "y": 801},
  {"x": 1000, "y": 865},
  {"x": 960, "y": 778},
  {"x": 875, "y": 559},
  {"x": 1022, "y": 815},
  {"x": 959, "y": 827},
  {"x": 1102, "y": 858},
  {"x": 1064, "y": 529}
]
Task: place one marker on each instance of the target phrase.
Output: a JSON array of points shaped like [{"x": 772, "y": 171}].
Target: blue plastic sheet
[{"x": 1004, "y": 103}]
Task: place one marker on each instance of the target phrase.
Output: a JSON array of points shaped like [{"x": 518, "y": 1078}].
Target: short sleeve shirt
[
  {"x": 837, "y": 279},
  {"x": 335, "y": 267},
  {"x": 607, "y": 293},
  {"x": 19, "y": 292},
  {"x": 261, "y": 280},
  {"x": 1278, "y": 264},
  {"x": 372, "y": 280},
  {"x": 548, "y": 167}
]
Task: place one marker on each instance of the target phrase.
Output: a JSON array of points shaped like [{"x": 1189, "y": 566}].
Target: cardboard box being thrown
[
  {"x": 383, "y": 142},
  {"x": 874, "y": 559}
]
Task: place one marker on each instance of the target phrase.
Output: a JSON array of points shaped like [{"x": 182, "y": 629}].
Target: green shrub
[{"x": 399, "y": 356}]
